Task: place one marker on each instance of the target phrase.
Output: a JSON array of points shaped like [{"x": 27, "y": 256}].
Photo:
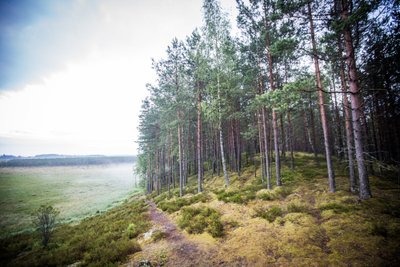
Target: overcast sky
[{"x": 73, "y": 72}]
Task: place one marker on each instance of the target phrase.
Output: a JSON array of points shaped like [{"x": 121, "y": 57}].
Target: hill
[{"x": 298, "y": 224}]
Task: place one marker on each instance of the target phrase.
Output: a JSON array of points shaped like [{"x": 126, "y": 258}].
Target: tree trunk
[
  {"x": 312, "y": 125},
  {"x": 283, "y": 139},
  {"x": 180, "y": 151},
  {"x": 260, "y": 143},
  {"x": 267, "y": 172},
  {"x": 169, "y": 163},
  {"x": 349, "y": 128},
  {"x": 274, "y": 117},
  {"x": 221, "y": 139},
  {"x": 290, "y": 143},
  {"x": 331, "y": 175},
  {"x": 199, "y": 142},
  {"x": 356, "y": 106}
]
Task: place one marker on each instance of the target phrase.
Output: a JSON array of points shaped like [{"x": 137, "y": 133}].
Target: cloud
[{"x": 80, "y": 67}]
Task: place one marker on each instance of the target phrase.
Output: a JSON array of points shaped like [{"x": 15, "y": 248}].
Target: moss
[{"x": 198, "y": 220}]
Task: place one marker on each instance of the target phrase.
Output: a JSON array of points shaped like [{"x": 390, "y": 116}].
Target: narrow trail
[{"x": 180, "y": 250}]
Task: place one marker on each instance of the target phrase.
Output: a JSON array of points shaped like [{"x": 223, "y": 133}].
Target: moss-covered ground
[{"x": 298, "y": 224}]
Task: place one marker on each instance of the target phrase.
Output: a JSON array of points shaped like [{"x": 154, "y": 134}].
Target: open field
[{"x": 77, "y": 191}]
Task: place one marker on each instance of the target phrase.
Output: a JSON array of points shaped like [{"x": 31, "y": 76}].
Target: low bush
[
  {"x": 158, "y": 235},
  {"x": 299, "y": 208},
  {"x": 270, "y": 214},
  {"x": 198, "y": 220},
  {"x": 177, "y": 203},
  {"x": 336, "y": 207},
  {"x": 239, "y": 197}
]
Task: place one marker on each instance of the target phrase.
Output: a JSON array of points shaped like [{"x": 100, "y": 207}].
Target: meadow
[{"x": 77, "y": 191}]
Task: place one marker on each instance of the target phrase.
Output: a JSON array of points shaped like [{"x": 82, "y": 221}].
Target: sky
[{"x": 73, "y": 72}]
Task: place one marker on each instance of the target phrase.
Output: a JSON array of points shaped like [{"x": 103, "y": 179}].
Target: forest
[
  {"x": 314, "y": 76},
  {"x": 273, "y": 143}
]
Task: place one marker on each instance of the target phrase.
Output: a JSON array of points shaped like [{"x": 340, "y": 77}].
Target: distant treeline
[{"x": 67, "y": 161}]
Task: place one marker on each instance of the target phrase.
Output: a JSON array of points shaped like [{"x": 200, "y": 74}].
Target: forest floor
[
  {"x": 175, "y": 248},
  {"x": 298, "y": 224}
]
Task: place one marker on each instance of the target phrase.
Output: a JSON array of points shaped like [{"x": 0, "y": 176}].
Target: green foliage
[
  {"x": 102, "y": 240},
  {"x": 133, "y": 230},
  {"x": 177, "y": 203},
  {"x": 336, "y": 207},
  {"x": 198, "y": 220},
  {"x": 270, "y": 214},
  {"x": 298, "y": 208},
  {"x": 280, "y": 192},
  {"x": 239, "y": 197},
  {"x": 45, "y": 221},
  {"x": 158, "y": 235}
]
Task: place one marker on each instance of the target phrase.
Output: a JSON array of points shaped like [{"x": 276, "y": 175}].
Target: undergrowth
[
  {"x": 198, "y": 220},
  {"x": 270, "y": 213},
  {"x": 103, "y": 240},
  {"x": 175, "y": 204}
]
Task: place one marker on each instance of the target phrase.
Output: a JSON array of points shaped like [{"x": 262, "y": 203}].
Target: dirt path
[{"x": 175, "y": 249}]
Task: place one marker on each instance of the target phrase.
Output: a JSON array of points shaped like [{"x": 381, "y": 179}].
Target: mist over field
[{"x": 77, "y": 191}]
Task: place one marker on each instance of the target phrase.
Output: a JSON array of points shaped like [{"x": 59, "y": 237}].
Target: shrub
[
  {"x": 132, "y": 231},
  {"x": 158, "y": 235},
  {"x": 300, "y": 208},
  {"x": 239, "y": 197},
  {"x": 269, "y": 214},
  {"x": 198, "y": 220},
  {"x": 176, "y": 204},
  {"x": 336, "y": 207},
  {"x": 266, "y": 196},
  {"x": 283, "y": 191}
]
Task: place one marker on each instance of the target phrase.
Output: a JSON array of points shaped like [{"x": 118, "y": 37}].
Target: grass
[
  {"x": 77, "y": 192},
  {"x": 103, "y": 240}
]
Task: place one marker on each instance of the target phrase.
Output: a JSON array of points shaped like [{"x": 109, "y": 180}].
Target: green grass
[
  {"x": 103, "y": 240},
  {"x": 77, "y": 192}
]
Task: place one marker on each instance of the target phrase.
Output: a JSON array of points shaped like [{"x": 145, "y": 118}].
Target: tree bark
[
  {"x": 356, "y": 105},
  {"x": 199, "y": 142},
  {"x": 347, "y": 116},
  {"x": 274, "y": 117},
  {"x": 221, "y": 139},
  {"x": 290, "y": 139},
  {"x": 331, "y": 174}
]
